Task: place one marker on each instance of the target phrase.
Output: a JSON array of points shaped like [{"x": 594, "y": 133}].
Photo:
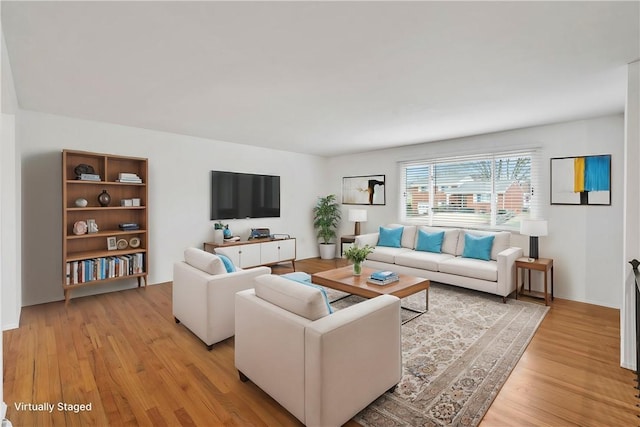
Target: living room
[{"x": 591, "y": 246}]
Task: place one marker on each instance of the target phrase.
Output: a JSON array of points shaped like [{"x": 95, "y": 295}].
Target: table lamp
[
  {"x": 357, "y": 216},
  {"x": 533, "y": 228}
]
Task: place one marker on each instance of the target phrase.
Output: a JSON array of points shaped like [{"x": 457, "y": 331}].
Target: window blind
[{"x": 496, "y": 190}]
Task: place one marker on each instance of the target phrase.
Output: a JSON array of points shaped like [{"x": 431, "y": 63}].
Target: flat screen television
[{"x": 243, "y": 195}]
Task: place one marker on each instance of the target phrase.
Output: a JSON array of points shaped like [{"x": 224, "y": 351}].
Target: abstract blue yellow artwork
[{"x": 583, "y": 180}]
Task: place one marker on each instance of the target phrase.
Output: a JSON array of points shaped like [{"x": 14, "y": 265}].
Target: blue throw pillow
[
  {"x": 390, "y": 237},
  {"x": 478, "y": 247},
  {"x": 228, "y": 265},
  {"x": 305, "y": 279},
  {"x": 430, "y": 242}
]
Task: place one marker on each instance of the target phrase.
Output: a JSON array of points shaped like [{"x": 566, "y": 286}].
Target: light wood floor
[{"x": 122, "y": 353}]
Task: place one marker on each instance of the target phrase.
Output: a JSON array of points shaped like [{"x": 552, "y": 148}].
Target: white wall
[
  {"x": 179, "y": 181},
  {"x": 631, "y": 216},
  {"x": 10, "y": 225},
  {"x": 584, "y": 241},
  {"x": 10, "y": 285}
]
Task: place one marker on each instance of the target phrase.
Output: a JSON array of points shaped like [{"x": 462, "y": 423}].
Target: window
[{"x": 488, "y": 191}]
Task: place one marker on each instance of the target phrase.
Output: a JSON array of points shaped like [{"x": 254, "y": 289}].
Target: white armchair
[
  {"x": 323, "y": 368},
  {"x": 203, "y": 294}
]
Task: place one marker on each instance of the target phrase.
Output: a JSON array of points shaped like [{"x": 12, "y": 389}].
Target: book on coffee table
[
  {"x": 384, "y": 275},
  {"x": 390, "y": 279}
]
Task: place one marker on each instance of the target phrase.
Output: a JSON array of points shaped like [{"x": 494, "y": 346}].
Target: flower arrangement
[{"x": 356, "y": 255}]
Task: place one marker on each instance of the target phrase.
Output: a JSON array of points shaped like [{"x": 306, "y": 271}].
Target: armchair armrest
[
  {"x": 221, "y": 290},
  {"x": 343, "y": 351},
  {"x": 189, "y": 295},
  {"x": 506, "y": 270},
  {"x": 204, "y": 303},
  {"x": 269, "y": 349},
  {"x": 370, "y": 239}
]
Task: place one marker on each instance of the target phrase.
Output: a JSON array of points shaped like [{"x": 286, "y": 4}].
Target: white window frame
[{"x": 534, "y": 196}]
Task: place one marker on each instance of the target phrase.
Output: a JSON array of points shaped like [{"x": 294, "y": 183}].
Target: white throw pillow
[
  {"x": 292, "y": 296},
  {"x": 408, "y": 235},
  {"x": 204, "y": 261}
]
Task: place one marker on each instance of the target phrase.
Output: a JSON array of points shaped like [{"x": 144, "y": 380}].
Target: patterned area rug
[{"x": 456, "y": 357}]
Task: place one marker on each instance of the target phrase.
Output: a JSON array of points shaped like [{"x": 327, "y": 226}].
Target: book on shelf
[
  {"x": 128, "y": 226},
  {"x": 130, "y": 178},
  {"x": 89, "y": 177},
  {"x": 126, "y": 175},
  {"x": 89, "y": 270}
]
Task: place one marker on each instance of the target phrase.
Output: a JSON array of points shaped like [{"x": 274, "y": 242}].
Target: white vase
[{"x": 218, "y": 237}]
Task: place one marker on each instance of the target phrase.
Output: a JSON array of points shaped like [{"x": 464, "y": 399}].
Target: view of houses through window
[{"x": 490, "y": 191}]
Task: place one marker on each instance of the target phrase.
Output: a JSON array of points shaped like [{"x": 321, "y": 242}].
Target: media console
[{"x": 255, "y": 252}]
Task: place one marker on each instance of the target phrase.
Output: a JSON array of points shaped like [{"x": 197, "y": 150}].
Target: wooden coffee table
[{"x": 342, "y": 279}]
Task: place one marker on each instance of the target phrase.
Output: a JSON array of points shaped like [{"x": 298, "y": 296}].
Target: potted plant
[
  {"x": 219, "y": 232},
  {"x": 356, "y": 255},
  {"x": 326, "y": 215}
]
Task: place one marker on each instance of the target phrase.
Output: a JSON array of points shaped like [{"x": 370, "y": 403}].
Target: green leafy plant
[
  {"x": 358, "y": 254},
  {"x": 326, "y": 215}
]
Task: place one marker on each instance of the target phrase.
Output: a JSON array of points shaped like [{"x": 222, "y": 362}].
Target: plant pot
[
  {"x": 327, "y": 250},
  {"x": 218, "y": 236}
]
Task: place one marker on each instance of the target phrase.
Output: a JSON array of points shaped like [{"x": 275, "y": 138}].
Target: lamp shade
[
  {"x": 357, "y": 215},
  {"x": 534, "y": 227}
]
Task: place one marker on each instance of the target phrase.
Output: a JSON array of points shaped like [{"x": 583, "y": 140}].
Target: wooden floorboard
[{"x": 123, "y": 353}]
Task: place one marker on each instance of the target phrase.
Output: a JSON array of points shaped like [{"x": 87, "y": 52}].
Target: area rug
[{"x": 456, "y": 357}]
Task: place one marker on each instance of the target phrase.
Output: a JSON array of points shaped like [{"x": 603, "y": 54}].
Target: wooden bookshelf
[{"x": 98, "y": 263}]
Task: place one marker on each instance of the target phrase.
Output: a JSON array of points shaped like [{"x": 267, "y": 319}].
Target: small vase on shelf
[{"x": 104, "y": 198}]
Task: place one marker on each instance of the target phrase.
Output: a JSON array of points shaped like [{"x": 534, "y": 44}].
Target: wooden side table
[
  {"x": 544, "y": 265},
  {"x": 346, "y": 239}
]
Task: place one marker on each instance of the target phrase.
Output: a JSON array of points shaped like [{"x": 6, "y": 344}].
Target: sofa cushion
[
  {"x": 469, "y": 267},
  {"x": 478, "y": 247},
  {"x": 305, "y": 279},
  {"x": 385, "y": 254},
  {"x": 421, "y": 260},
  {"x": 429, "y": 242},
  {"x": 450, "y": 240},
  {"x": 298, "y": 297},
  {"x": 501, "y": 242},
  {"x": 204, "y": 261},
  {"x": 408, "y": 235},
  {"x": 390, "y": 237}
]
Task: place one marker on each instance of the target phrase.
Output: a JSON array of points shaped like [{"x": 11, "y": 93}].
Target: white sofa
[
  {"x": 323, "y": 368},
  {"x": 495, "y": 276},
  {"x": 203, "y": 294}
]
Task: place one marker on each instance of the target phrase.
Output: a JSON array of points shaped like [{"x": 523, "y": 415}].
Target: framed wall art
[
  {"x": 582, "y": 180},
  {"x": 363, "y": 190}
]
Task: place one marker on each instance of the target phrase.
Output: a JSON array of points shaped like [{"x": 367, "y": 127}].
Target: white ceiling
[{"x": 323, "y": 78}]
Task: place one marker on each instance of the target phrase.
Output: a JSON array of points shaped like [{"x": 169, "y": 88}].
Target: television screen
[{"x": 242, "y": 195}]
